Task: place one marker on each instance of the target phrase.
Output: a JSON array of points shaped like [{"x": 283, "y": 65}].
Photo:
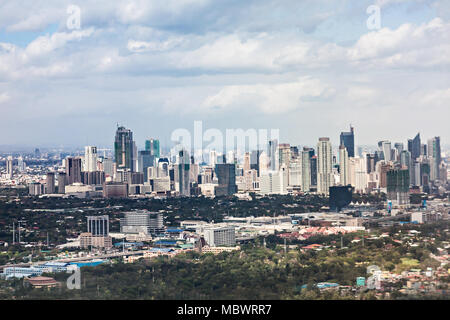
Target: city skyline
[{"x": 311, "y": 73}]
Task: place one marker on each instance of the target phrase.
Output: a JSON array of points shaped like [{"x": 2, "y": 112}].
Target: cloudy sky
[{"x": 307, "y": 67}]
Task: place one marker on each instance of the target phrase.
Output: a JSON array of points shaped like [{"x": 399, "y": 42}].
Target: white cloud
[{"x": 270, "y": 98}]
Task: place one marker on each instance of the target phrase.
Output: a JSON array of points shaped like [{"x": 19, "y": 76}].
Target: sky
[{"x": 308, "y": 68}]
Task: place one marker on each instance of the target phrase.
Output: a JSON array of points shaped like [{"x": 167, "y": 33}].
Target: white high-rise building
[
  {"x": 264, "y": 163},
  {"x": 9, "y": 167},
  {"x": 324, "y": 165},
  {"x": 306, "y": 171},
  {"x": 90, "y": 159},
  {"x": 274, "y": 182},
  {"x": 213, "y": 158},
  {"x": 343, "y": 166},
  {"x": 295, "y": 172}
]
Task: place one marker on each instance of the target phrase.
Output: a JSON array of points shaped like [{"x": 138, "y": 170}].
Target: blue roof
[
  {"x": 87, "y": 264},
  {"x": 161, "y": 250},
  {"x": 166, "y": 242},
  {"x": 175, "y": 230}
]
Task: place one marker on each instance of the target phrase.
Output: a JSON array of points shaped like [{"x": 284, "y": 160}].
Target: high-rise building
[
  {"x": 272, "y": 154},
  {"x": 306, "y": 170},
  {"x": 386, "y": 149},
  {"x": 295, "y": 172},
  {"x": 98, "y": 225},
  {"x": 414, "y": 147},
  {"x": 220, "y": 236},
  {"x": 254, "y": 160},
  {"x": 324, "y": 165},
  {"x": 142, "y": 221},
  {"x": 124, "y": 148},
  {"x": 313, "y": 170},
  {"x": 73, "y": 170},
  {"x": 284, "y": 155},
  {"x": 9, "y": 167},
  {"x": 226, "y": 175},
  {"x": 434, "y": 154},
  {"x": 50, "y": 183},
  {"x": 145, "y": 160},
  {"x": 347, "y": 139},
  {"x": 62, "y": 181},
  {"x": 184, "y": 173},
  {"x": 398, "y": 186},
  {"x": 247, "y": 161},
  {"x": 274, "y": 182},
  {"x": 343, "y": 166},
  {"x": 398, "y": 147},
  {"x": 90, "y": 159},
  {"x": 152, "y": 145}
]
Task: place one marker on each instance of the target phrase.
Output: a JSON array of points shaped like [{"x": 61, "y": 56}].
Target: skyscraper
[
  {"x": 272, "y": 154},
  {"x": 152, "y": 145},
  {"x": 324, "y": 165},
  {"x": 184, "y": 173},
  {"x": 226, "y": 175},
  {"x": 50, "y": 183},
  {"x": 9, "y": 167},
  {"x": 306, "y": 170},
  {"x": 343, "y": 166},
  {"x": 434, "y": 153},
  {"x": 284, "y": 154},
  {"x": 73, "y": 170},
  {"x": 62, "y": 181},
  {"x": 124, "y": 148},
  {"x": 414, "y": 147},
  {"x": 90, "y": 159},
  {"x": 98, "y": 226},
  {"x": 347, "y": 140}
]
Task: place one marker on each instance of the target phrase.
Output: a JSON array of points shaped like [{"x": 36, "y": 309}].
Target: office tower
[
  {"x": 434, "y": 154},
  {"x": 272, "y": 154},
  {"x": 124, "y": 148},
  {"x": 9, "y": 167},
  {"x": 324, "y": 165},
  {"x": 406, "y": 162},
  {"x": 93, "y": 178},
  {"x": 220, "y": 236},
  {"x": 142, "y": 221},
  {"x": 108, "y": 167},
  {"x": 152, "y": 145},
  {"x": 423, "y": 150},
  {"x": 21, "y": 166},
  {"x": 398, "y": 148},
  {"x": 398, "y": 186},
  {"x": 313, "y": 170},
  {"x": 295, "y": 172},
  {"x": 231, "y": 157},
  {"x": 284, "y": 154},
  {"x": 73, "y": 170},
  {"x": 163, "y": 168},
  {"x": 294, "y": 152},
  {"x": 50, "y": 183},
  {"x": 37, "y": 153},
  {"x": 115, "y": 190},
  {"x": 274, "y": 182},
  {"x": 343, "y": 166},
  {"x": 347, "y": 139},
  {"x": 264, "y": 163},
  {"x": 247, "y": 161},
  {"x": 90, "y": 159},
  {"x": 306, "y": 170},
  {"x": 184, "y": 173},
  {"x": 386, "y": 149},
  {"x": 98, "y": 225},
  {"x": 254, "y": 160},
  {"x": 371, "y": 161},
  {"x": 35, "y": 188},
  {"x": 414, "y": 147},
  {"x": 226, "y": 175},
  {"x": 62, "y": 181},
  {"x": 145, "y": 160}
]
